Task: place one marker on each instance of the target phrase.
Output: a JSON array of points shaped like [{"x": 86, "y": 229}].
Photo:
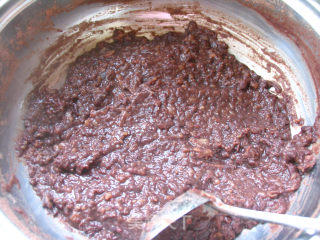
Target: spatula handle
[{"x": 303, "y": 223}]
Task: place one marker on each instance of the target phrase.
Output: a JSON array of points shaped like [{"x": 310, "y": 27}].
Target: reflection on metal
[
  {"x": 14, "y": 10},
  {"x": 306, "y": 12},
  {"x": 3, "y": 2}
]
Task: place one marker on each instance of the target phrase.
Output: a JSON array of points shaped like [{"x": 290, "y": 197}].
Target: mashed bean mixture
[{"x": 138, "y": 122}]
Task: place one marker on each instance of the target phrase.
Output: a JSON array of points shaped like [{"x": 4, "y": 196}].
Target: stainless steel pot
[{"x": 279, "y": 39}]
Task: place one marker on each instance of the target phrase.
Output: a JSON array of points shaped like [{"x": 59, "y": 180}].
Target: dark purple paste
[{"x": 139, "y": 122}]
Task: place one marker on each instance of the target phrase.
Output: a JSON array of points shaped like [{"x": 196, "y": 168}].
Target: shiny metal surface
[
  {"x": 172, "y": 211},
  {"x": 241, "y": 19},
  {"x": 177, "y": 208}
]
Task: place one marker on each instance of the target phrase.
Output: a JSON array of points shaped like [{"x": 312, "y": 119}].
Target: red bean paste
[{"x": 139, "y": 122}]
